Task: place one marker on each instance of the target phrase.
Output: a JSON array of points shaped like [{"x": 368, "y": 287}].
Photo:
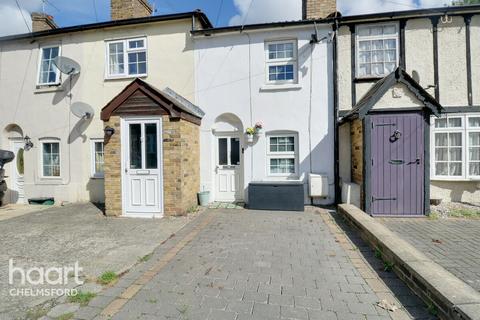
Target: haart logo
[{"x": 39, "y": 276}]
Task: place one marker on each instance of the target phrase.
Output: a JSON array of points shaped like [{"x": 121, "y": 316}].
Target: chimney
[
  {"x": 128, "y": 9},
  {"x": 318, "y": 9},
  {"x": 42, "y": 22}
]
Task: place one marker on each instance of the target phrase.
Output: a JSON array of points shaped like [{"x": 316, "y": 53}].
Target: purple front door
[{"x": 398, "y": 167}]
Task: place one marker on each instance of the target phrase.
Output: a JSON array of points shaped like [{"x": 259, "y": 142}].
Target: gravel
[{"x": 447, "y": 210}]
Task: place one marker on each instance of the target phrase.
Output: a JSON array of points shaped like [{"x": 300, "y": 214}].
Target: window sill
[
  {"x": 46, "y": 89},
  {"x": 368, "y": 79},
  {"x": 280, "y": 180},
  {"x": 129, "y": 77},
  {"x": 49, "y": 181},
  {"x": 279, "y": 87},
  {"x": 97, "y": 178},
  {"x": 452, "y": 179}
]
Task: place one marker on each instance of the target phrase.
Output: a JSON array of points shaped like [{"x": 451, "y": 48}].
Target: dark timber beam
[
  {"x": 468, "y": 20},
  {"x": 353, "y": 63},
  {"x": 403, "y": 58},
  {"x": 435, "y": 56}
]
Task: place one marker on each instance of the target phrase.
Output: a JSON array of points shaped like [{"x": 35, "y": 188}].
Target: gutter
[
  {"x": 114, "y": 23},
  {"x": 260, "y": 27},
  {"x": 411, "y": 14}
]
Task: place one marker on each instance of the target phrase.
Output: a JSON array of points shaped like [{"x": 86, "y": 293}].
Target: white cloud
[
  {"x": 11, "y": 16},
  {"x": 287, "y": 10},
  {"x": 266, "y": 11},
  {"x": 349, "y": 7}
]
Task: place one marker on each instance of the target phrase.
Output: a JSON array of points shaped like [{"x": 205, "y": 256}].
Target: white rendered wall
[{"x": 230, "y": 78}]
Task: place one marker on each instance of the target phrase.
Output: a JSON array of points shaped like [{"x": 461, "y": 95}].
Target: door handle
[
  {"x": 396, "y": 162},
  {"x": 417, "y": 161}
]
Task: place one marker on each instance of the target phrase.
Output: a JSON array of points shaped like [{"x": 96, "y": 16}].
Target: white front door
[
  {"x": 142, "y": 167},
  {"x": 228, "y": 171},
  {"x": 17, "y": 193}
]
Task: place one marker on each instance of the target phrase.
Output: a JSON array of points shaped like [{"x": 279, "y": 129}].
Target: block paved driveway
[
  {"x": 240, "y": 264},
  {"x": 452, "y": 243}
]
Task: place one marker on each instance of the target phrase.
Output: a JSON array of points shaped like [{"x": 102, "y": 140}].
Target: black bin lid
[{"x": 6, "y": 157}]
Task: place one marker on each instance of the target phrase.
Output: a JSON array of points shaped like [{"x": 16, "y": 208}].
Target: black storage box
[{"x": 276, "y": 195}]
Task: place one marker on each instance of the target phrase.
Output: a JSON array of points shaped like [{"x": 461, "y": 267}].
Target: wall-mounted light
[
  {"x": 28, "y": 143},
  {"x": 109, "y": 131}
]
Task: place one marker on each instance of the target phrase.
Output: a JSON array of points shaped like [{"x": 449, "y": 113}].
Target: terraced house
[
  {"x": 279, "y": 75},
  {"x": 409, "y": 108},
  {"x": 107, "y": 128}
]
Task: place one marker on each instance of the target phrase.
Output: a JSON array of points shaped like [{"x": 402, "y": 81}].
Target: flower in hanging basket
[
  {"x": 258, "y": 127},
  {"x": 250, "y": 131}
]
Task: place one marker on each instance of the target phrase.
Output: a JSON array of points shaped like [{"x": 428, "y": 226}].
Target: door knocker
[{"x": 395, "y": 136}]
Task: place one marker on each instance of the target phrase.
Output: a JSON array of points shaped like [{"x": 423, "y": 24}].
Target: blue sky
[
  {"x": 221, "y": 12},
  {"x": 211, "y": 7}
]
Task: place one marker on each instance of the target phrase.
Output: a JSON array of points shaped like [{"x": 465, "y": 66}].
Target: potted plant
[
  {"x": 258, "y": 128},
  {"x": 250, "y": 133}
]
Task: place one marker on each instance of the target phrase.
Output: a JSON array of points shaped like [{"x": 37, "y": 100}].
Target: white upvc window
[
  {"x": 126, "y": 58},
  {"x": 456, "y": 147},
  {"x": 48, "y": 73},
  {"x": 281, "y": 61},
  {"x": 377, "y": 49},
  {"x": 98, "y": 158},
  {"x": 50, "y": 159},
  {"x": 282, "y": 154}
]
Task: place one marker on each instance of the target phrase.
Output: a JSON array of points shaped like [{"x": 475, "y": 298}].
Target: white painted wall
[
  {"x": 418, "y": 34},
  {"x": 399, "y": 97},
  {"x": 230, "y": 78},
  {"x": 344, "y": 56},
  {"x": 452, "y": 62},
  {"x": 45, "y": 113}
]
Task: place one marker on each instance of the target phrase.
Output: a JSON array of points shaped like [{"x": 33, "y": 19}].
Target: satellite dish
[
  {"x": 66, "y": 65},
  {"x": 82, "y": 110}
]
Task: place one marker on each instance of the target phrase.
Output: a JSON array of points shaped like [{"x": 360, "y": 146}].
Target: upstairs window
[
  {"x": 48, "y": 74},
  {"x": 456, "y": 147},
  {"x": 281, "y": 58},
  {"x": 127, "y": 58},
  {"x": 377, "y": 50}
]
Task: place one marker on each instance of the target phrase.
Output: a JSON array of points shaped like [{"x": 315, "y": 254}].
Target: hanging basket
[{"x": 249, "y": 138}]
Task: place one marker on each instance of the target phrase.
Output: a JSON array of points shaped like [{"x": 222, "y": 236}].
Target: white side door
[
  {"x": 142, "y": 168},
  {"x": 228, "y": 169},
  {"x": 17, "y": 193}
]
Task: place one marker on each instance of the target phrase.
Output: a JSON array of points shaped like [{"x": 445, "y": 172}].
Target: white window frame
[
  {"x": 281, "y": 62},
  {"x": 359, "y": 38},
  {"x": 45, "y": 141},
  {"x": 282, "y": 155},
  {"x": 94, "y": 174},
  {"x": 126, "y": 51},
  {"x": 464, "y": 130},
  {"x": 39, "y": 71}
]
